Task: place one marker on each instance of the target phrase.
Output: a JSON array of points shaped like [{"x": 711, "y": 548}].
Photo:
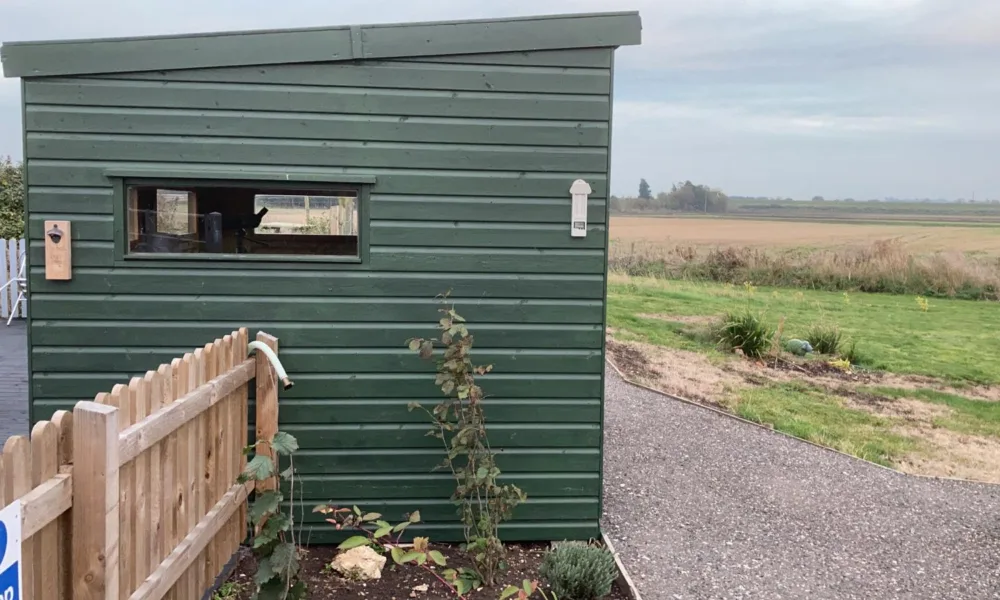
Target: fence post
[
  {"x": 267, "y": 405},
  {"x": 95, "y": 502}
]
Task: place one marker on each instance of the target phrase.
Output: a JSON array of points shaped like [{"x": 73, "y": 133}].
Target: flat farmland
[{"x": 743, "y": 232}]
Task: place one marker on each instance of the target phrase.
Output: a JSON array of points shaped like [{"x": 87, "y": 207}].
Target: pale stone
[{"x": 359, "y": 564}]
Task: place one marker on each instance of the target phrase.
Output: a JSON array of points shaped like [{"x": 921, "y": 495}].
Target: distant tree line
[{"x": 682, "y": 197}]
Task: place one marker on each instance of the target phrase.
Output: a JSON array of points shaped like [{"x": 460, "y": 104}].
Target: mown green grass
[
  {"x": 812, "y": 415},
  {"x": 973, "y": 417},
  {"x": 956, "y": 340}
]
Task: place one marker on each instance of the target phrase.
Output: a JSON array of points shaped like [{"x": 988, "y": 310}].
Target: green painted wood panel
[
  {"x": 361, "y": 101},
  {"x": 234, "y": 283},
  {"x": 469, "y": 193},
  {"x": 500, "y": 410},
  {"x": 116, "y": 120},
  {"x": 482, "y": 260},
  {"x": 437, "y": 512},
  {"x": 347, "y": 360},
  {"x": 510, "y": 210},
  {"x": 414, "y": 435},
  {"x": 252, "y": 151},
  {"x": 570, "y": 31},
  {"x": 549, "y": 485},
  {"x": 85, "y": 253},
  {"x": 179, "y": 52},
  {"x": 390, "y": 181},
  {"x": 363, "y": 385},
  {"x": 95, "y": 201},
  {"x": 594, "y": 58},
  {"x": 169, "y": 312},
  {"x": 406, "y": 75},
  {"x": 286, "y": 46},
  {"x": 84, "y": 227},
  {"x": 74, "y": 333},
  {"x": 482, "y": 235},
  {"x": 384, "y": 258},
  {"x": 513, "y": 460}
]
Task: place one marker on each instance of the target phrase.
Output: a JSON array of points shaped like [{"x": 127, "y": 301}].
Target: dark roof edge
[{"x": 392, "y": 40}]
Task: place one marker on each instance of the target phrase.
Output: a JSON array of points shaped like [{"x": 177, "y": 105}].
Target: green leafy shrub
[
  {"x": 271, "y": 530},
  {"x": 11, "y": 199},
  {"x": 746, "y": 331},
  {"x": 825, "y": 339},
  {"x": 577, "y": 571}
]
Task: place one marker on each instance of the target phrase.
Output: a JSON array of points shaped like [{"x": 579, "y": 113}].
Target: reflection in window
[{"x": 218, "y": 219}]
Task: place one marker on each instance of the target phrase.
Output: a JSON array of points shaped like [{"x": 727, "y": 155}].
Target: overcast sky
[{"x": 859, "y": 98}]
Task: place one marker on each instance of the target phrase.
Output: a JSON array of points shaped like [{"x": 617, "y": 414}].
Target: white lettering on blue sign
[{"x": 10, "y": 552}]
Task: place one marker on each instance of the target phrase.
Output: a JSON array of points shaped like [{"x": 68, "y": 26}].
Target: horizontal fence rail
[{"x": 132, "y": 496}]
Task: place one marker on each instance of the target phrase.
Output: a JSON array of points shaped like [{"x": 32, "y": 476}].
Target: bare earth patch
[
  {"x": 689, "y": 375},
  {"x": 953, "y": 455},
  {"x": 943, "y": 453}
]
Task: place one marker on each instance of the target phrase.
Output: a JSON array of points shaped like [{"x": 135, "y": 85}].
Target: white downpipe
[{"x": 273, "y": 359}]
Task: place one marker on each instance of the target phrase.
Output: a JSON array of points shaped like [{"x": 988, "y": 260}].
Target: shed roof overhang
[{"x": 286, "y": 46}]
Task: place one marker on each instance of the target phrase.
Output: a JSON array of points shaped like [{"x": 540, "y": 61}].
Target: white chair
[{"x": 22, "y": 288}]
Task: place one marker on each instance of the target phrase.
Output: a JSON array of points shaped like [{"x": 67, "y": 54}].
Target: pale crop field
[{"x": 712, "y": 232}]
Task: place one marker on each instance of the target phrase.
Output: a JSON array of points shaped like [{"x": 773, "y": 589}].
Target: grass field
[
  {"x": 925, "y": 399},
  {"x": 937, "y": 261},
  {"x": 771, "y": 234},
  {"x": 838, "y": 209}
]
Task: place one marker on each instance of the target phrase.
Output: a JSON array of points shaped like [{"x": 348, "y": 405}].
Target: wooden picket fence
[
  {"x": 134, "y": 495},
  {"x": 12, "y": 255}
]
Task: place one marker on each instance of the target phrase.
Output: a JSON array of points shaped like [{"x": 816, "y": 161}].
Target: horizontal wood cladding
[
  {"x": 253, "y": 151},
  {"x": 594, "y": 58},
  {"x": 414, "y": 386},
  {"x": 86, "y": 335},
  {"x": 487, "y": 235},
  {"x": 316, "y": 99},
  {"x": 313, "y": 287},
  {"x": 96, "y": 201},
  {"x": 383, "y": 258},
  {"x": 524, "y": 460},
  {"x": 438, "y": 485},
  {"x": 482, "y": 260},
  {"x": 402, "y": 75},
  {"x": 476, "y": 209},
  {"x": 433, "y": 511},
  {"x": 277, "y": 125},
  {"x": 348, "y": 360},
  {"x": 471, "y": 158},
  {"x": 442, "y": 182}
]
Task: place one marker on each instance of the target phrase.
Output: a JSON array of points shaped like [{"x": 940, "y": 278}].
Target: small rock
[
  {"x": 359, "y": 564},
  {"x": 422, "y": 588}
]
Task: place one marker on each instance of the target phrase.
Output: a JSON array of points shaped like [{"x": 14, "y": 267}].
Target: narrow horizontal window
[{"x": 266, "y": 221}]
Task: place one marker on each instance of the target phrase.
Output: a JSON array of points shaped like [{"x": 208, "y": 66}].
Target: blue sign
[{"x": 10, "y": 552}]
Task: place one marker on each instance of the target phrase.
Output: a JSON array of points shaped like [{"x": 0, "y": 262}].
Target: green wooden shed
[{"x": 325, "y": 185}]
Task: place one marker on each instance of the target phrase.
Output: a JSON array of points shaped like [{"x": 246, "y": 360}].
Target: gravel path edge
[{"x": 730, "y": 415}]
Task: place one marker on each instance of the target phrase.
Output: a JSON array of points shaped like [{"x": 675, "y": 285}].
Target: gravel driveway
[{"x": 703, "y": 506}]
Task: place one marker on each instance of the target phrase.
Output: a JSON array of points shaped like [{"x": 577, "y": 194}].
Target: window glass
[{"x": 242, "y": 220}]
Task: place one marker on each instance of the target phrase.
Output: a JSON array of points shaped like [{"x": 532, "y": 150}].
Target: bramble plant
[
  {"x": 459, "y": 422},
  {"x": 274, "y": 543}
]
